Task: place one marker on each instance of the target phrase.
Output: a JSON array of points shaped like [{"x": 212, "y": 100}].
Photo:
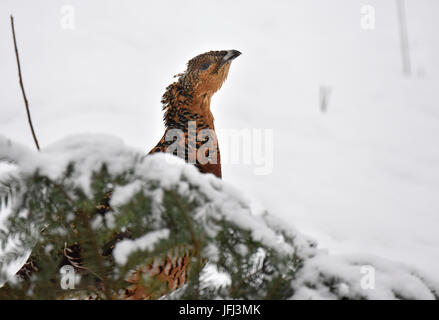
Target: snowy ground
[{"x": 361, "y": 178}]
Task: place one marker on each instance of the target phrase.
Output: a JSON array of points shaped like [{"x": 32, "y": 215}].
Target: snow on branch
[{"x": 166, "y": 206}]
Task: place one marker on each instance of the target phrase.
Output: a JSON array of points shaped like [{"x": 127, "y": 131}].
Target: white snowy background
[{"x": 361, "y": 178}]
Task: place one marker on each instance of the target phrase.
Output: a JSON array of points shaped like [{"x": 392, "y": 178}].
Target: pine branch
[
  {"x": 195, "y": 240},
  {"x": 97, "y": 254}
]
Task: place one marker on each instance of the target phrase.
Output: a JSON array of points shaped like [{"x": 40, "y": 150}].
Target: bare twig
[
  {"x": 22, "y": 87},
  {"x": 324, "y": 93},
  {"x": 403, "y": 35}
]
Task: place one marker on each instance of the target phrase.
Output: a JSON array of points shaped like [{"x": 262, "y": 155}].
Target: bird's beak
[{"x": 230, "y": 55}]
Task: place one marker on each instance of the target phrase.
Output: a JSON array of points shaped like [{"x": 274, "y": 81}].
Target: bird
[
  {"x": 187, "y": 117},
  {"x": 187, "y": 113},
  {"x": 189, "y": 134}
]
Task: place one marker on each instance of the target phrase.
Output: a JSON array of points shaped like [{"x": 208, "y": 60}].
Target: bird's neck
[
  {"x": 190, "y": 113},
  {"x": 182, "y": 105}
]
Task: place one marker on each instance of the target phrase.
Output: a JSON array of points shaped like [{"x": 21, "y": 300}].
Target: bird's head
[
  {"x": 204, "y": 75},
  {"x": 207, "y": 72}
]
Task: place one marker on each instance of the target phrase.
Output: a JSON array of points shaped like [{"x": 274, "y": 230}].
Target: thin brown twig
[{"x": 22, "y": 86}]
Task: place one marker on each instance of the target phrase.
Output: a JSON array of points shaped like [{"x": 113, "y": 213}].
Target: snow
[
  {"x": 122, "y": 193},
  {"x": 147, "y": 242},
  {"x": 389, "y": 280},
  {"x": 220, "y": 200},
  {"x": 361, "y": 178},
  {"x": 87, "y": 150}
]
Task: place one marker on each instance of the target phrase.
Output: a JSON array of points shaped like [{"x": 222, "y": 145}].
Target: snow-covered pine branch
[{"x": 243, "y": 255}]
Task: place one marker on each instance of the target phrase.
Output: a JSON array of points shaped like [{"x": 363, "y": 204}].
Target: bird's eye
[{"x": 205, "y": 66}]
